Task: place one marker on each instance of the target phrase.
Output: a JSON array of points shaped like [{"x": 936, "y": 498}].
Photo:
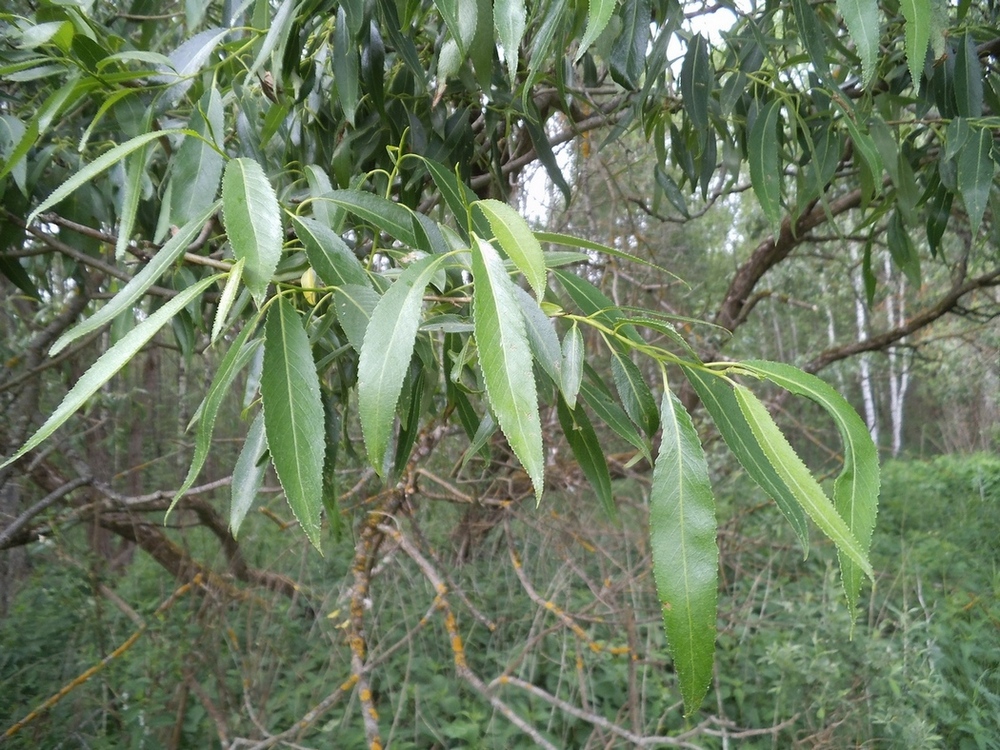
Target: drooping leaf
[
  {"x": 862, "y": 20},
  {"x": 682, "y": 531},
  {"x": 355, "y": 305},
  {"x": 589, "y": 453},
  {"x": 975, "y": 175},
  {"x": 505, "y": 359},
  {"x": 813, "y": 39},
  {"x": 509, "y": 19},
  {"x": 696, "y": 83},
  {"x": 227, "y": 298},
  {"x": 765, "y": 162},
  {"x": 326, "y": 213},
  {"x": 346, "y": 66},
  {"x": 598, "y": 398},
  {"x": 918, "y": 16},
  {"x": 238, "y": 356},
  {"x": 102, "y": 163},
  {"x": 293, "y": 415},
  {"x": 139, "y": 283},
  {"x": 628, "y": 53},
  {"x": 392, "y": 218},
  {"x": 572, "y": 364},
  {"x": 634, "y": 393},
  {"x": 541, "y": 335},
  {"x": 968, "y": 78},
  {"x": 798, "y": 479},
  {"x": 720, "y": 401},
  {"x": 197, "y": 167},
  {"x": 901, "y": 248},
  {"x": 517, "y": 241},
  {"x": 856, "y": 489},
  {"x": 253, "y": 222},
  {"x": 109, "y": 363},
  {"x": 599, "y": 12},
  {"x": 385, "y": 355},
  {"x": 248, "y": 474},
  {"x": 328, "y": 254}
]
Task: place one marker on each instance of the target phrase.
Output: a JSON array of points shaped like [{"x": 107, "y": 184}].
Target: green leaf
[
  {"x": 584, "y": 244},
  {"x": 355, "y": 305},
  {"x": 594, "y": 303},
  {"x": 862, "y": 20},
  {"x": 719, "y": 400},
  {"x": 813, "y": 37},
  {"x": 901, "y": 248},
  {"x": 346, "y": 67},
  {"x": 139, "y": 283},
  {"x": 589, "y": 453},
  {"x": 392, "y": 218},
  {"x": 601, "y": 401},
  {"x": 919, "y": 20},
  {"x": 197, "y": 167},
  {"x": 866, "y": 154},
  {"x": 628, "y": 53},
  {"x": 102, "y": 163},
  {"x": 505, "y": 359},
  {"x": 765, "y": 162},
  {"x": 975, "y": 175},
  {"x": 517, "y": 241},
  {"x": 599, "y": 12},
  {"x": 696, "y": 83},
  {"x": 572, "y": 364},
  {"x": 326, "y": 213},
  {"x": 685, "y": 553},
  {"x": 509, "y": 19},
  {"x": 227, "y": 298},
  {"x": 276, "y": 37},
  {"x": 385, "y": 355},
  {"x": 541, "y": 335},
  {"x": 238, "y": 356},
  {"x": 109, "y": 363},
  {"x": 797, "y": 478},
  {"x": 328, "y": 254},
  {"x": 968, "y": 79},
  {"x": 135, "y": 168},
  {"x": 293, "y": 415},
  {"x": 253, "y": 222},
  {"x": 855, "y": 491},
  {"x": 634, "y": 393},
  {"x": 248, "y": 475}
]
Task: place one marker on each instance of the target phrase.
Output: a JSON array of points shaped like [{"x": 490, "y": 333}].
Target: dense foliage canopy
[{"x": 314, "y": 196}]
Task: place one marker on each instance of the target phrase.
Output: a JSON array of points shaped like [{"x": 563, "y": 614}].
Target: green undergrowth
[{"x": 922, "y": 669}]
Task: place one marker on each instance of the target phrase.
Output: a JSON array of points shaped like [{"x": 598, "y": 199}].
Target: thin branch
[{"x": 51, "y": 499}]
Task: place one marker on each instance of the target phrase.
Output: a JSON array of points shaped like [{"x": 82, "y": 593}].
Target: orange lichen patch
[
  {"x": 620, "y": 651},
  {"x": 350, "y": 682}
]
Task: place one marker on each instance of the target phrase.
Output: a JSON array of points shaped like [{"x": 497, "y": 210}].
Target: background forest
[{"x": 262, "y": 294}]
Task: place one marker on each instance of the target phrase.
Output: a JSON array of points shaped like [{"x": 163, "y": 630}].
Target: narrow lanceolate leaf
[
  {"x": 719, "y": 400},
  {"x": 139, "y": 283},
  {"x": 975, "y": 174},
  {"x": 628, "y": 53},
  {"x": 355, "y": 305},
  {"x": 391, "y": 218},
  {"x": 634, "y": 393},
  {"x": 505, "y": 358},
  {"x": 797, "y": 478},
  {"x": 968, "y": 79},
  {"x": 326, "y": 213},
  {"x": 328, "y": 254},
  {"x": 813, "y": 39},
  {"x": 516, "y": 239},
  {"x": 227, "y": 298},
  {"x": 346, "y": 66},
  {"x": 248, "y": 475},
  {"x": 602, "y": 402},
  {"x": 238, "y": 357},
  {"x": 855, "y": 491},
  {"x": 197, "y": 167},
  {"x": 598, "y": 14},
  {"x": 685, "y": 553},
  {"x": 696, "y": 82},
  {"x": 135, "y": 168},
  {"x": 385, "y": 355},
  {"x": 919, "y": 17},
  {"x": 293, "y": 415},
  {"x": 862, "y": 20},
  {"x": 541, "y": 335},
  {"x": 109, "y": 363},
  {"x": 572, "y": 364},
  {"x": 765, "y": 162},
  {"x": 589, "y": 453},
  {"x": 253, "y": 222},
  {"x": 509, "y": 19},
  {"x": 101, "y": 164}
]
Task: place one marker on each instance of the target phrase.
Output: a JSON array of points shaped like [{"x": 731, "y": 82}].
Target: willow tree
[{"x": 322, "y": 187}]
